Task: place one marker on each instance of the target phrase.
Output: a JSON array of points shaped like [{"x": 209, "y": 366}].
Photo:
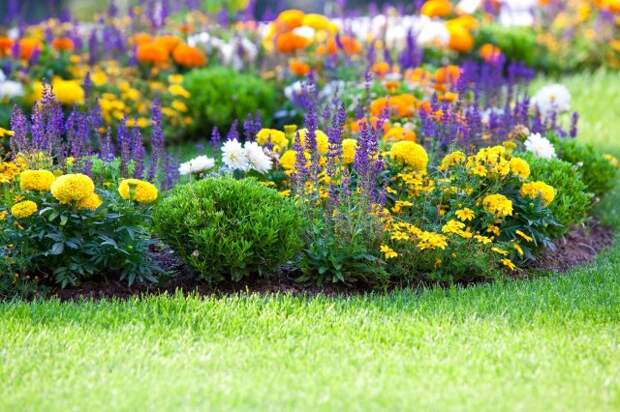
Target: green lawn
[{"x": 550, "y": 344}]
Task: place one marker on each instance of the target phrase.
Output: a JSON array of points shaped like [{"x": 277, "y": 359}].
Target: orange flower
[
  {"x": 356, "y": 126},
  {"x": 298, "y": 67},
  {"x": 402, "y": 105},
  {"x": 490, "y": 53},
  {"x": 141, "y": 38},
  {"x": 461, "y": 39},
  {"x": 290, "y": 42},
  {"x": 349, "y": 44},
  {"x": 437, "y": 8},
  {"x": 5, "y": 45},
  {"x": 398, "y": 133},
  {"x": 448, "y": 74},
  {"x": 168, "y": 41},
  {"x": 152, "y": 53},
  {"x": 188, "y": 56},
  {"x": 380, "y": 69},
  {"x": 63, "y": 43},
  {"x": 27, "y": 47}
]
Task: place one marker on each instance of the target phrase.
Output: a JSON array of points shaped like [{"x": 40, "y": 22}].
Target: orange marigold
[
  {"x": 169, "y": 42},
  {"x": 27, "y": 47},
  {"x": 5, "y": 45},
  {"x": 188, "y": 56},
  {"x": 152, "y": 53},
  {"x": 298, "y": 68},
  {"x": 380, "y": 69},
  {"x": 290, "y": 42},
  {"x": 63, "y": 43},
  {"x": 436, "y": 8}
]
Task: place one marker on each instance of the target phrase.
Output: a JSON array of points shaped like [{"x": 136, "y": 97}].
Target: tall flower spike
[
  {"x": 299, "y": 176},
  {"x": 215, "y": 137},
  {"x": 157, "y": 140},
  {"x": 20, "y": 126},
  {"x": 137, "y": 153}
]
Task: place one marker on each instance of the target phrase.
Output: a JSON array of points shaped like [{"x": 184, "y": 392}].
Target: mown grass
[{"x": 549, "y": 344}]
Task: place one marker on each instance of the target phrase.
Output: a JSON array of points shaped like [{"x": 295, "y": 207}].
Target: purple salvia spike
[
  {"x": 157, "y": 140},
  {"x": 137, "y": 153}
]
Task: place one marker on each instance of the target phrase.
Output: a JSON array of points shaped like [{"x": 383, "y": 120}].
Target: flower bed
[{"x": 384, "y": 167}]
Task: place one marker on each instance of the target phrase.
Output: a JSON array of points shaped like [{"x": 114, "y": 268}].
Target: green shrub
[
  {"x": 598, "y": 173},
  {"x": 229, "y": 229},
  {"x": 220, "y": 95},
  {"x": 573, "y": 200}
]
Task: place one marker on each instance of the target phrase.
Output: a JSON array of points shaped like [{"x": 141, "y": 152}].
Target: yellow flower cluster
[
  {"x": 67, "y": 92},
  {"x": 498, "y": 205},
  {"x": 535, "y": 189},
  {"x": 276, "y": 138},
  {"x": 138, "y": 190},
  {"x": 37, "y": 180},
  {"x": 410, "y": 154},
  {"x": 24, "y": 209},
  {"x": 72, "y": 188}
]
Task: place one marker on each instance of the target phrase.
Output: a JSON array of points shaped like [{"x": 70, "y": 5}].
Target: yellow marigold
[
  {"x": 322, "y": 142},
  {"x": 287, "y": 160},
  {"x": 519, "y": 168},
  {"x": 276, "y": 138},
  {"x": 3, "y": 215},
  {"x": 399, "y": 133},
  {"x": 72, "y": 187},
  {"x": 349, "y": 146},
  {"x": 68, "y": 92},
  {"x": 39, "y": 180},
  {"x": 485, "y": 240},
  {"x": 498, "y": 205},
  {"x": 535, "y": 189},
  {"x": 465, "y": 214},
  {"x": 24, "y": 209},
  {"x": 138, "y": 190},
  {"x": 452, "y": 159},
  {"x": 410, "y": 154},
  {"x": 91, "y": 202},
  {"x": 436, "y": 8},
  {"x": 6, "y": 133}
]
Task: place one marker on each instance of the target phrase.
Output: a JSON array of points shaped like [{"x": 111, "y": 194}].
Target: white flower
[
  {"x": 468, "y": 6},
  {"x": 432, "y": 33},
  {"x": 196, "y": 165},
  {"x": 517, "y": 12},
  {"x": 305, "y": 31},
  {"x": 234, "y": 157},
  {"x": 540, "y": 146},
  {"x": 257, "y": 158},
  {"x": 552, "y": 98},
  {"x": 10, "y": 88}
]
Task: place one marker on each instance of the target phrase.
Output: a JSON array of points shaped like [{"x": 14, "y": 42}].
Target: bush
[
  {"x": 220, "y": 95},
  {"x": 47, "y": 241},
  {"x": 598, "y": 173},
  {"x": 573, "y": 200},
  {"x": 229, "y": 229}
]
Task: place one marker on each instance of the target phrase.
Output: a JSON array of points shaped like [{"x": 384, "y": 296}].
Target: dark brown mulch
[{"x": 580, "y": 246}]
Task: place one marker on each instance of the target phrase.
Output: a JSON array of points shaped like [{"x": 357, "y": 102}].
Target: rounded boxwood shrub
[
  {"x": 598, "y": 173},
  {"x": 228, "y": 229},
  {"x": 572, "y": 201},
  {"x": 220, "y": 95}
]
